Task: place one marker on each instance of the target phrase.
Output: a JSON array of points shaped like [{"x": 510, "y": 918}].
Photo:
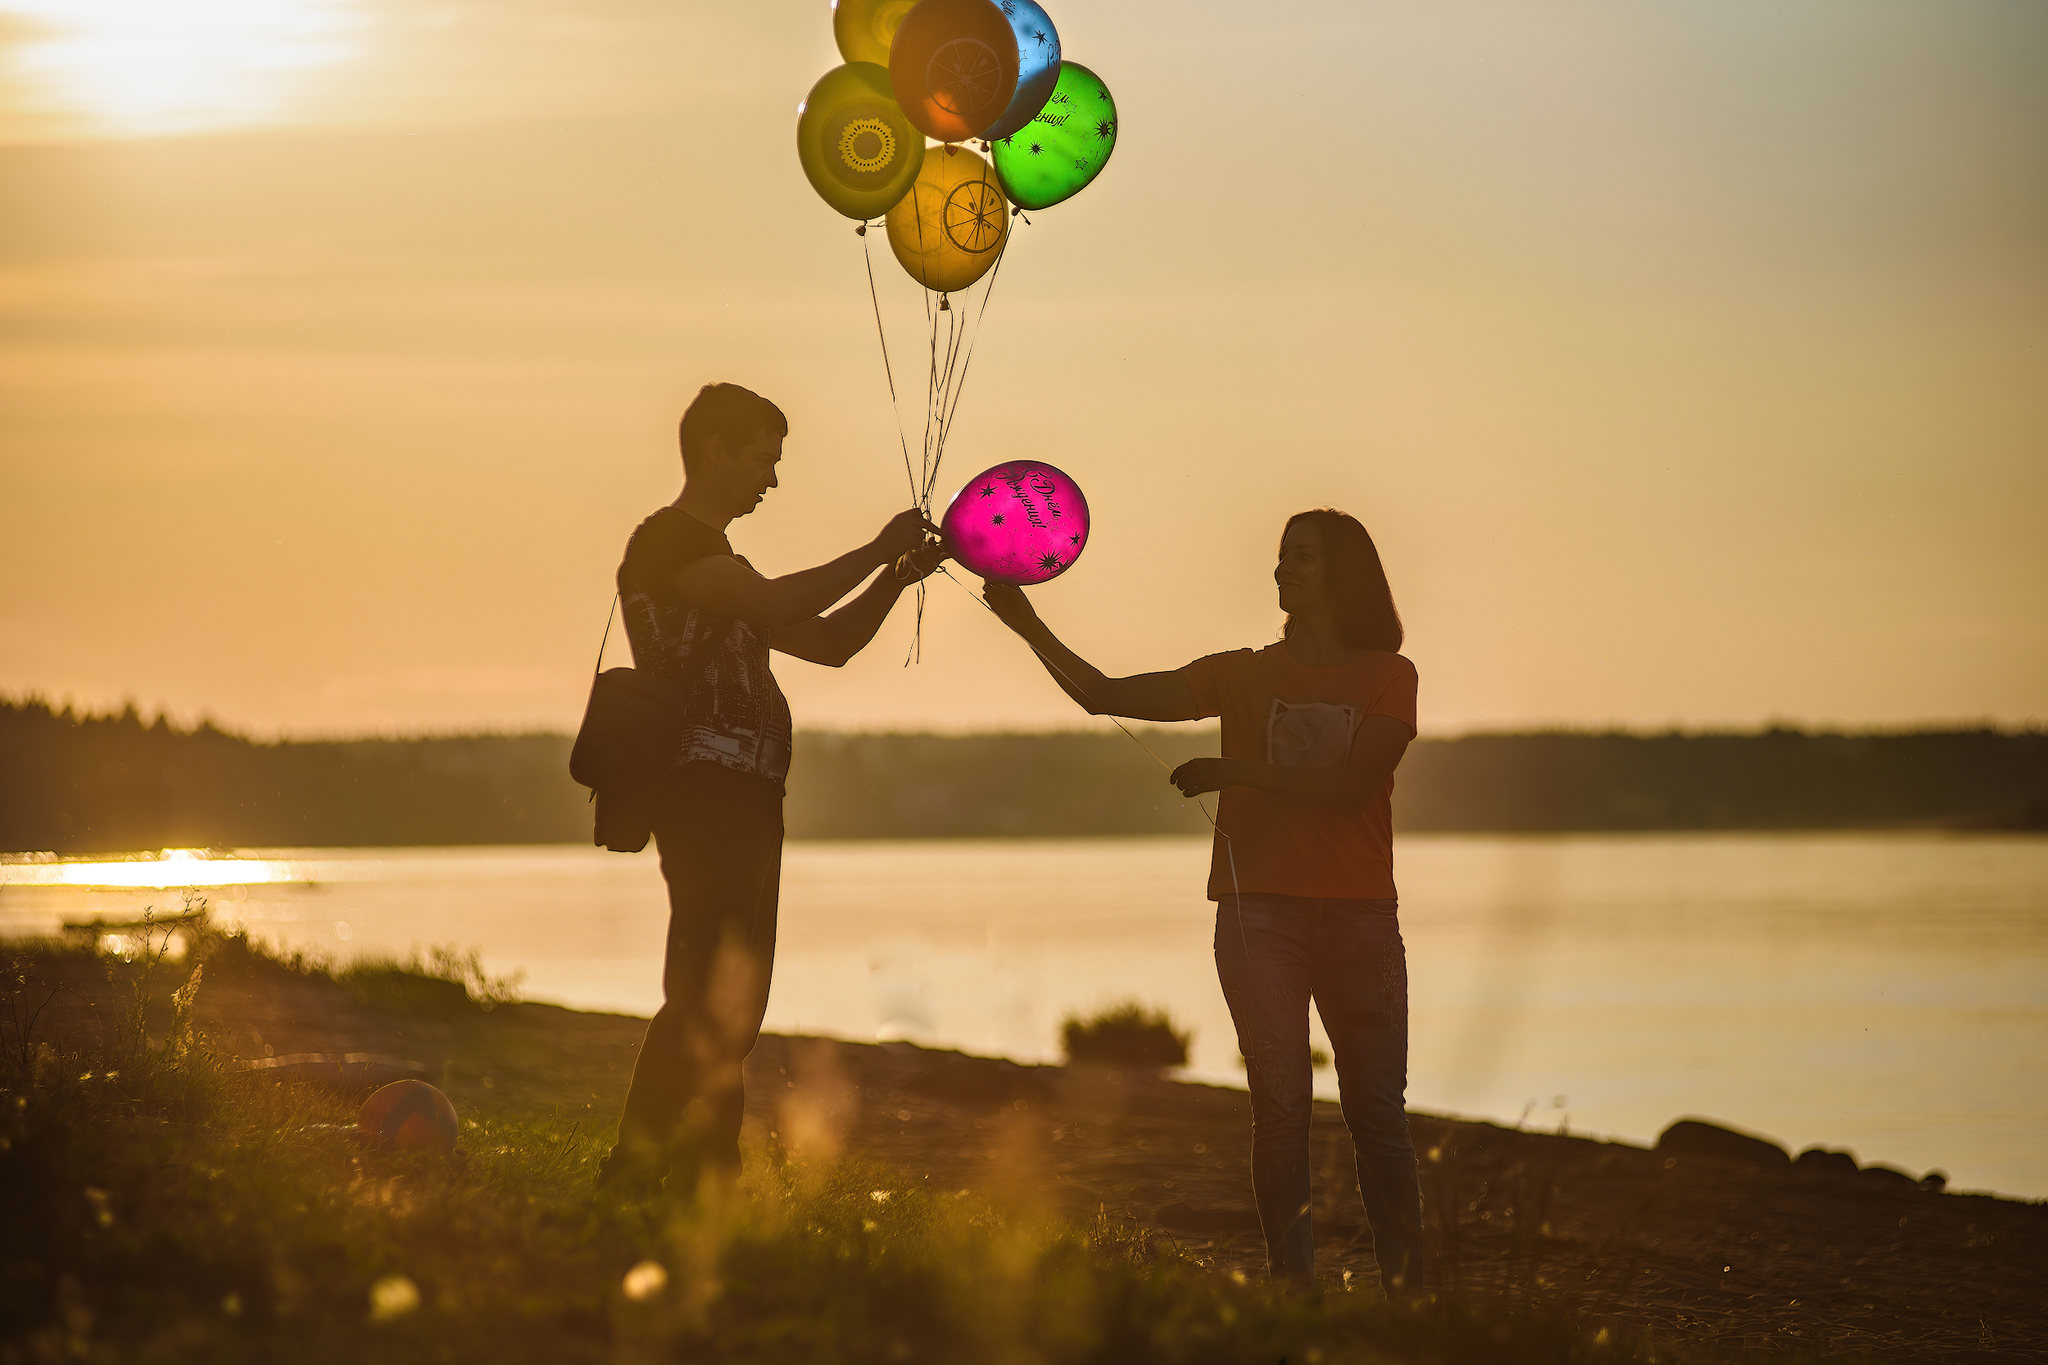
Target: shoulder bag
[{"x": 631, "y": 729}]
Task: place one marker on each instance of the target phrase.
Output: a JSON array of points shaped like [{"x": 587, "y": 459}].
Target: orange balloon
[{"x": 953, "y": 65}]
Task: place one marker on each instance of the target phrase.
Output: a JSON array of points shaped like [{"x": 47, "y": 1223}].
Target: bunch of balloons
[{"x": 953, "y": 71}]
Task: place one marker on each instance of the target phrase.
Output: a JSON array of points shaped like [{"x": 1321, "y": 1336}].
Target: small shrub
[{"x": 1128, "y": 1034}]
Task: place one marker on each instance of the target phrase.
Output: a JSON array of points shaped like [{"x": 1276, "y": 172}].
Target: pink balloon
[{"x": 1022, "y": 522}]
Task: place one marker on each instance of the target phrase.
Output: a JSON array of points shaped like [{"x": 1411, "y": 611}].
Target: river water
[{"x": 1887, "y": 993}]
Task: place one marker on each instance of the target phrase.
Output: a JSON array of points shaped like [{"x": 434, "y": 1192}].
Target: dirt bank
[{"x": 1710, "y": 1246}]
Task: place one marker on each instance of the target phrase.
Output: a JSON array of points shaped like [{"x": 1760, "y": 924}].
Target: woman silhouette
[{"x": 1302, "y": 870}]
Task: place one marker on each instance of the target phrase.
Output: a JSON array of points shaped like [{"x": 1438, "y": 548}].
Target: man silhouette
[{"x": 699, "y": 617}]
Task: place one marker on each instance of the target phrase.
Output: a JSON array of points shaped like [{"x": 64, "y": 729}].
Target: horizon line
[{"x": 1778, "y": 725}]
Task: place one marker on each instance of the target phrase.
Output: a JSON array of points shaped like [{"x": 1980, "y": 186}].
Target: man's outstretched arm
[
  {"x": 1143, "y": 696},
  {"x": 724, "y": 585},
  {"x": 833, "y": 639}
]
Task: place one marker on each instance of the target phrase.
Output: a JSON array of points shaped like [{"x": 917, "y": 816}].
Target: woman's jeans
[{"x": 1273, "y": 954}]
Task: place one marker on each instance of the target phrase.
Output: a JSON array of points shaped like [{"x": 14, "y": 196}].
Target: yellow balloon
[
  {"x": 865, "y": 28},
  {"x": 858, "y": 150},
  {"x": 951, "y": 226}
]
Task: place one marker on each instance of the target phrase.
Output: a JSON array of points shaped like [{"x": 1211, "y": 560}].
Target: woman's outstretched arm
[{"x": 1143, "y": 696}]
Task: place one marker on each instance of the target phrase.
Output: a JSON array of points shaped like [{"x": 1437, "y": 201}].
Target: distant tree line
[
  {"x": 75, "y": 783},
  {"x": 1775, "y": 779}
]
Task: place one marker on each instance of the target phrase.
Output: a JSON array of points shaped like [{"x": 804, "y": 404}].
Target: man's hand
[
  {"x": 1009, "y": 603},
  {"x": 1199, "y": 775},
  {"x": 922, "y": 562},
  {"x": 908, "y": 530}
]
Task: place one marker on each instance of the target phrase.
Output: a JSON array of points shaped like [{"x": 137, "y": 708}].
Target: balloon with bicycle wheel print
[
  {"x": 951, "y": 227},
  {"x": 953, "y": 64},
  {"x": 1023, "y": 522}
]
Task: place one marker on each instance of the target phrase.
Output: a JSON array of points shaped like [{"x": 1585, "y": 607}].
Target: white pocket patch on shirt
[{"x": 1313, "y": 734}]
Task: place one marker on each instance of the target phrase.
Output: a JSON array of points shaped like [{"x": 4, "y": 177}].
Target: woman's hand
[
  {"x": 1199, "y": 775},
  {"x": 1010, "y": 605}
]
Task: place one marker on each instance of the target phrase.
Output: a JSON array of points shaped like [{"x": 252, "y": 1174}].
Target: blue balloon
[{"x": 1038, "y": 65}]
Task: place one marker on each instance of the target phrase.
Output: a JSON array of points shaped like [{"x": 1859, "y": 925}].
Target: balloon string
[
  {"x": 931, "y": 478},
  {"x": 957, "y": 383},
  {"x": 916, "y": 650},
  {"x": 931, "y": 380},
  {"x": 1064, "y": 675},
  {"x": 935, "y": 420},
  {"x": 915, "y": 654},
  {"x": 934, "y": 442},
  {"x": 931, "y": 389},
  {"x": 946, "y": 425},
  {"x": 944, "y": 385},
  {"x": 935, "y": 388},
  {"x": 920, "y": 483},
  {"x": 941, "y": 371},
  {"x": 895, "y": 408},
  {"x": 1229, "y": 853}
]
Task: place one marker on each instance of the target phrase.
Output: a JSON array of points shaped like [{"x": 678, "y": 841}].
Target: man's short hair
[{"x": 737, "y": 414}]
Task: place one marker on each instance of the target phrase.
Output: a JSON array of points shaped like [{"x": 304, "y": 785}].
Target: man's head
[{"x": 731, "y": 439}]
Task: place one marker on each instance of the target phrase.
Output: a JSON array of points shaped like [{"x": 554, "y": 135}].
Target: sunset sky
[{"x": 1688, "y": 359}]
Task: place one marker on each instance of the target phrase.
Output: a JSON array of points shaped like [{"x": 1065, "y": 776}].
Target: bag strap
[{"x": 598, "y": 667}]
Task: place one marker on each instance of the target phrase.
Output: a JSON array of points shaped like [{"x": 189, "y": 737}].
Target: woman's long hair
[{"x": 1360, "y": 598}]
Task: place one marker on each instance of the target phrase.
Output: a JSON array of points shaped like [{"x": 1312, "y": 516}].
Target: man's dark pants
[{"x": 720, "y": 837}]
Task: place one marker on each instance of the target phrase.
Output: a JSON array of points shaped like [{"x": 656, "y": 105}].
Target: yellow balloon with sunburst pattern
[{"x": 858, "y": 150}]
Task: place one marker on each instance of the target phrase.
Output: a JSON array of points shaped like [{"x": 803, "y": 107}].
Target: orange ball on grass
[{"x": 411, "y": 1116}]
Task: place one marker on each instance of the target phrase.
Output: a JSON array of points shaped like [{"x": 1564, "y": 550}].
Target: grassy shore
[{"x": 166, "y": 1203}]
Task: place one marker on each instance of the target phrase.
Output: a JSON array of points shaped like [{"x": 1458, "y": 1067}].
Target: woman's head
[{"x": 1329, "y": 565}]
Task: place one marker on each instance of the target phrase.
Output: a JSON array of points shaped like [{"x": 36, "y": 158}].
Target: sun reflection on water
[{"x": 172, "y": 868}]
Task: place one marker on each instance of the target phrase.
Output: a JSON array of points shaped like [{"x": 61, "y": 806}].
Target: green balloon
[
  {"x": 1054, "y": 156},
  {"x": 858, "y": 150}
]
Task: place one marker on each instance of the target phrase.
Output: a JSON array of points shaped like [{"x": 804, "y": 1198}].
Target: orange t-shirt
[{"x": 1276, "y": 710}]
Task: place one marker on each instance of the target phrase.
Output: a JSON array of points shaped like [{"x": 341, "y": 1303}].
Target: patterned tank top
[{"x": 735, "y": 715}]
